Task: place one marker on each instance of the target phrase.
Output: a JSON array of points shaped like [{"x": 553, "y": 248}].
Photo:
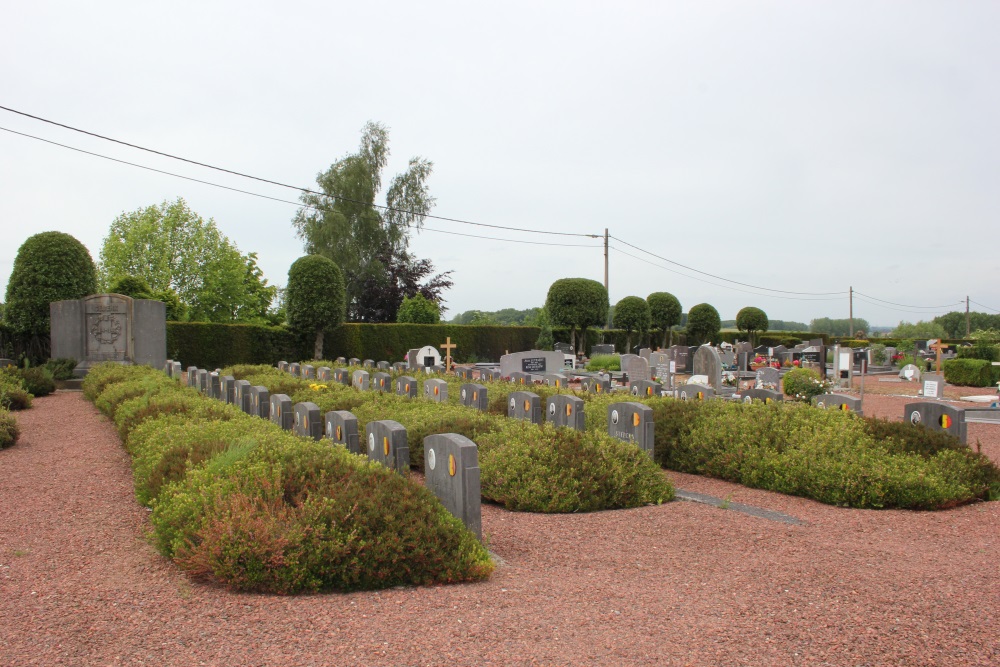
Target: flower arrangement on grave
[
  {"x": 318, "y": 387},
  {"x": 797, "y": 363}
]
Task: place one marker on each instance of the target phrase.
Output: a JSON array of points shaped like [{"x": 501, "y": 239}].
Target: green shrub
[
  {"x": 8, "y": 429},
  {"x": 61, "y": 369},
  {"x": 37, "y": 380},
  {"x": 971, "y": 372},
  {"x": 101, "y": 375},
  {"x": 981, "y": 350},
  {"x": 545, "y": 469},
  {"x": 185, "y": 401},
  {"x": 13, "y": 395},
  {"x": 605, "y": 362},
  {"x": 804, "y": 383},
  {"x": 292, "y": 515},
  {"x": 119, "y": 392}
]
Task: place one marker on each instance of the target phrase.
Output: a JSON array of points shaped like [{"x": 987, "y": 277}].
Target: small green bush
[
  {"x": 101, "y": 375},
  {"x": 61, "y": 369},
  {"x": 804, "y": 383},
  {"x": 37, "y": 380},
  {"x": 971, "y": 372},
  {"x": 9, "y": 431},
  {"x": 13, "y": 395},
  {"x": 605, "y": 362}
]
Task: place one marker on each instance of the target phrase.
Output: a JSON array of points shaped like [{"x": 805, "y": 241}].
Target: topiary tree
[
  {"x": 632, "y": 314},
  {"x": 315, "y": 298},
  {"x": 751, "y": 320},
  {"x": 133, "y": 286},
  {"x": 664, "y": 313},
  {"x": 418, "y": 310},
  {"x": 577, "y": 303},
  {"x": 51, "y": 266},
  {"x": 703, "y": 323}
]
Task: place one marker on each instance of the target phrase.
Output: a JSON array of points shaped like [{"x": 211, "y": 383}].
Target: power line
[
  {"x": 736, "y": 282},
  {"x": 902, "y": 310},
  {"x": 278, "y": 199},
  {"x": 708, "y": 282},
  {"x": 984, "y": 306},
  {"x": 285, "y": 185},
  {"x": 903, "y": 305}
]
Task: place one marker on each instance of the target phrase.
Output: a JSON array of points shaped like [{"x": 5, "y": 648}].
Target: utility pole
[
  {"x": 607, "y": 325},
  {"x": 967, "y": 329},
  {"x": 850, "y": 313}
]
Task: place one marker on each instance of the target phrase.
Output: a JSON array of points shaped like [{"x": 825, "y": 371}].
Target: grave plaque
[
  {"x": 241, "y": 395},
  {"x": 464, "y": 373},
  {"x": 525, "y": 405},
  {"x": 307, "y": 421},
  {"x": 603, "y": 348},
  {"x": 659, "y": 366},
  {"x": 436, "y": 390},
  {"x": 383, "y": 366},
  {"x": 399, "y": 366},
  {"x": 176, "y": 370},
  {"x": 226, "y": 388},
  {"x": 490, "y": 374},
  {"x": 168, "y": 367},
  {"x": 767, "y": 378},
  {"x": 474, "y": 396},
  {"x": 565, "y": 410},
  {"x": 283, "y": 366},
  {"x": 201, "y": 381},
  {"x": 340, "y": 361},
  {"x": 636, "y": 368},
  {"x": 359, "y": 380},
  {"x": 281, "y": 411},
  {"x": 381, "y": 382},
  {"x": 595, "y": 385},
  {"x": 342, "y": 376},
  {"x": 763, "y": 395},
  {"x": 295, "y": 369},
  {"x": 342, "y": 428},
  {"x": 108, "y": 327},
  {"x": 353, "y": 361},
  {"x": 260, "y": 401},
  {"x": 933, "y": 386},
  {"x": 909, "y": 372},
  {"x": 308, "y": 372},
  {"x": 645, "y": 388},
  {"x": 565, "y": 348},
  {"x": 406, "y": 386},
  {"x": 386, "y": 443},
  {"x": 214, "y": 386},
  {"x": 324, "y": 374},
  {"x": 708, "y": 363},
  {"x": 451, "y": 464},
  {"x": 632, "y": 422},
  {"x": 368, "y": 363},
  {"x": 694, "y": 392},
  {"x": 937, "y": 417},
  {"x": 191, "y": 378},
  {"x": 838, "y": 402},
  {"x": 533, "y": 361},
  {"x": 557, "y": 380},
  {"x": 517, "y": 377}
]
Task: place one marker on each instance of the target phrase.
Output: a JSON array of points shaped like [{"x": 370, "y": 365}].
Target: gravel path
[{"x": 680, "y": 584}]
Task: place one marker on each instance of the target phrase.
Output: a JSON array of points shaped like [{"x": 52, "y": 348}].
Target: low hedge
[
  {"x": 9, "y": 431},
  {"x": 971, "y": 372},
  {"x": 243, "y": 503},
  {"x": 13, "y": 395}
]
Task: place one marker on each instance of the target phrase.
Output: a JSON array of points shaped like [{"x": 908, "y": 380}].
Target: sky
[{"x": 791, "y": 150}]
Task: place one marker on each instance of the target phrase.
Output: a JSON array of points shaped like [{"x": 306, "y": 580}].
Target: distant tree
[
  {"x": 751, "y": 320},
  {"x": 545, "y": 341},
  {"x": 51, "y": 266},
  {"x": 173, "y": 248},
  {"x": 703, "y": 323},
  {"x": 577, "y": 303},
  {"x": 665, "y": 313},
  {"x": 840, "y": 327},
  {"x": 418, "y": 310},
  {"x": 632, "y": 314},
  {"x": 137, "y": 288},
  {"x": 370, "y": 243},
  {"x": 954, "y": 322},
  {"x": 919, "y": 330},
  {"x": 315, "y": 299}
]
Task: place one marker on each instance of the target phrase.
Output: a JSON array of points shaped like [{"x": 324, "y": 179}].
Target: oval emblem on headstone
[
  {"x": 431, "y": 459},
  {"x": 452, "y": 466},
  {"x": 635, "y": 391},
  {"x": 371, "y": 442},
  {"x": 945, "y": 421},
  {"x": 614, "y": 416},
  {"x": 820, "y": 404},
  {"x": 385, "y": 445},
  {"x": 340, "y": 434},
  {"x": 527, "y": 405},
  {"x": 552, "y": 408},
  {"x": 512, "y": 403},
  {"x": 915, "y": 417},
  {"x": 569, "y": 409},
  {"x": 845, "y": 407},
  {"x": 748, "y": 399},
  {"x": 463, "y": 394},
  {"x": 635, "y": 419}
]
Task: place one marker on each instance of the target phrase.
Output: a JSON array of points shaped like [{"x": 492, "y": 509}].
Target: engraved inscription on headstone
[{"x": 632, "y": 422}]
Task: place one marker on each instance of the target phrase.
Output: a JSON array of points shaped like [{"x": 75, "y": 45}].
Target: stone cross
[{"x": 447, "y": 347}]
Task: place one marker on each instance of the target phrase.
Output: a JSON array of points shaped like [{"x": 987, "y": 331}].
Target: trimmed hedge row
[
  {"x": 971, "y": 372},
  {"x": 237, "y": 500}
]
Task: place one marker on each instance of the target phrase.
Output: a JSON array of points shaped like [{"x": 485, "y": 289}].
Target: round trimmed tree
[
  {"x": 315, "y": 298},
  {"x": 577, "y": 303},
  {"x": 751, "y": 320},
  {"x": 704, "y": 323},
  {"x": 664, "y": 313},
  {"x": 51, "y": 266},
  {"x": 632, "y": 314},
  {"x": 418, "y": 310}
]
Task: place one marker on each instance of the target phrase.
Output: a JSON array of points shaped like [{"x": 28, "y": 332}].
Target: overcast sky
[{"x": 799, "y": 146}]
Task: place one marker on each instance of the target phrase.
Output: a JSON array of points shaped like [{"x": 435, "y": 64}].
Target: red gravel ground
[{"x": 680, "y": 584}]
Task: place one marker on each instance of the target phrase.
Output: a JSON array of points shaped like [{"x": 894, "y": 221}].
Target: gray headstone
[
  {"x": 202, "y": 381},
  {"x": 694, "y": 392},
  {"x": 933, "y": 386},
  {"x": 308, "y": 372},
  {"x": 595, "y": 385},
  {"x": 464, "y": 373},
  {"x": 517, "y": 377},
  {"x": 359, "y": 380},
  {"x": 295, "y": 369},
  {"x": 386, "y": 443},
  {"x": 108, "y": 327},
  {"x": 636, "y": 368},
  {"x": 565, "y": 348},
  {"x": 490, "y": 374},
  {"x": 176, "y": 370},
  {"x": 214, "y": 386},
  {"x": 260, "y": 401},
  {"x": 565, "y": 410},
  {"x": 226, "y": 383},
  {"x": 324, "y": 374},
  {"x": 632, "y": 422},
  {"x": 399, "y": 366},
  {"x": 838, "y": 402},
  {"x": 353, "y": 361},
  {"x": 411, "y": 358},
  {"x": 436, "y": 390},
  {"x": 659, "y": 365},
  {"x": 707, "y": 362},
  {"x": 168, "y": 367},
  {"x": 368, "y": 363},
  {"x": 645, "y": 388},
  {"x": 474, "y": 396},
  {"x": 645, "y": 353},
  {"x": 281, "y": 411},
  {"x": 342, "y": 428},
  {"x": 451, "y": 466},
  {"x": 241, "y": 395},
  {"x": 763, "y": 395},
  {"x": 381, "y": 382},
  {"x": 767, "y": 377},
  {"x": 191, "y": 377},
  {"x": 910, "y": 372},
  {"x": 340, "y": 361},
  {"x": 603, "y": 348},
  {"x": 307, "y": 420},
  {"x": 557, "y": 380},
  {"x": 383, "y": 366},
  {"x": 283, "y": 366},
  {"x": 342, "y": 376},
  {"x": 406, "y": 386},
  {"x": 525, "y": 405},
  {"x": 937, "y": 417},
  {"x": 535, "y": 362}
]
